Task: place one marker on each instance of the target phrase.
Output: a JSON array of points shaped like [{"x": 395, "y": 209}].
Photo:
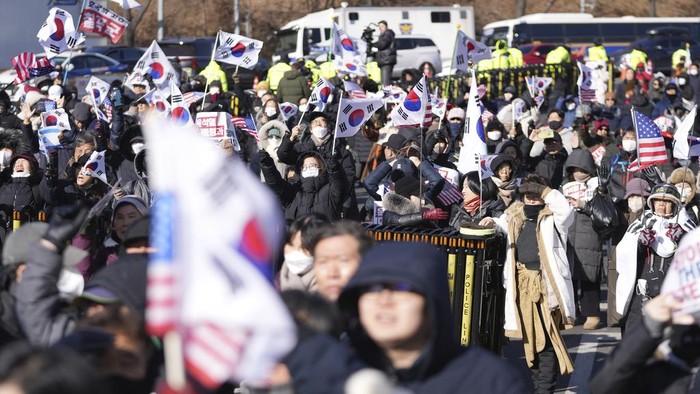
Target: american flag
[
  {"x": 192, "y": 97},
  {"x": 107, "y": 103},
  {"x": 354, "y": 90},
  {"x": 449, "y": 195},
  {"x": 246, "y": 124},
  {"x": 651, "y": 148},
  {"x": 27, "y": 67}
]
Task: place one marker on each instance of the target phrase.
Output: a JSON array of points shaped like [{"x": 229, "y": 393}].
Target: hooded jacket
[
  {"x": 386, "y": 54},
  {"x": 264, "y": 142},
  {"x": 323, "y": 194},
  {"x": 292, "y": 87},
  {"x": 443, "y": 366}
]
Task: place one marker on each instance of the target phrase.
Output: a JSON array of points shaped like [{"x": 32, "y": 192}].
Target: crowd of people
[{"x": 372, "y": 317}]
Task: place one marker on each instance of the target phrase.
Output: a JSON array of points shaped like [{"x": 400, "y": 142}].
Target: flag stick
[
  {"x": 636, "y": 132},
  {"x": 422, "y": 143},
  {"x": 449, "y": 76},
  {"x": 70, "y": 54},
  {"x": 174, "y": 360},
  {"x": 213, "y": 53},
  {"x": 340, "y": 105}
]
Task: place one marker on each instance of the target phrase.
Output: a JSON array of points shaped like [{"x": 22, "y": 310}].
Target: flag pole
[
  {"x": 449, "y": 76},
  {"x": 70, "y": 53},
  {"x": 335, "y": 133},
  {"x": 213, "y": 53},
  {"x": 636, "y": 132}
]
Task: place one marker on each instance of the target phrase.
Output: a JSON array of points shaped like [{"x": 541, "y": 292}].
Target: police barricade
[{"x": 475, "y": 277}]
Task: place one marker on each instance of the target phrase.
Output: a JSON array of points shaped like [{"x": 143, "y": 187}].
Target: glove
[
  {"x": 674, "y": 232},
  {"x": 64, "y": 224},
  {"x": 652, "y": 175},
  {"x": 265, "y": 157},
  {"x": 518, "y": 128},
  {"x": 603, "y": 177},
  {"x": 647, "y": 236},
  {"x": 435, "y": 214}
]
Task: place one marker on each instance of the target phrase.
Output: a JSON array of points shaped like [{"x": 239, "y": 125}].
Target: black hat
[
  {"x": 500, "y": 160},
  {"x": 124, "y": 281},
  {"x": 81, "y": 112},
  {"x": 395, "y": 142},
  {"x": 315, "y": 115},
  {"x": 138, "y": 231},
  {"x": 405, "y": 185}
]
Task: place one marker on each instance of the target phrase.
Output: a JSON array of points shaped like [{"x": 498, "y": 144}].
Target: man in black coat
[{"x": 386, "y": 52}]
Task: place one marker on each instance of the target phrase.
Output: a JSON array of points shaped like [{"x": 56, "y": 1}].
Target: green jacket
[{"x": 292, "y": 87}]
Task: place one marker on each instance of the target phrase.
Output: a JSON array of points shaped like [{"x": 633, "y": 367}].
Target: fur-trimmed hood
[
  {"x": 265, "y": 129},
  {"x": 397, "y": 203},
  {"x": 684, "y": 175}
]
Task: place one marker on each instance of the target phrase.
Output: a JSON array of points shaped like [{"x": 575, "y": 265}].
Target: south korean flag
[{"x": 58, "y": 33}]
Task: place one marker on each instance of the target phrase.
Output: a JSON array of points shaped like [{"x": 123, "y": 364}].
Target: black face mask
[
  {"x": 554, "y": 125},
  {"x": 531, "y": 211}
]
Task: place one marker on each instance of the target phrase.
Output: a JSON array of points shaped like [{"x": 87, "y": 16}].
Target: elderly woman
[{"x": 539, "y": 292}]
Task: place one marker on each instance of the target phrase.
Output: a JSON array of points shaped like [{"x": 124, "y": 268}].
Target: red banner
[{"x": 101, "y": 20}]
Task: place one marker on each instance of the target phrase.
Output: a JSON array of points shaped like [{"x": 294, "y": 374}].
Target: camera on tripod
[{"x": 367, "y": 34}]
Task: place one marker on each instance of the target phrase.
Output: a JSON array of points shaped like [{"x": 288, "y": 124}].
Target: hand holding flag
[{"x": 321, "y": 94}]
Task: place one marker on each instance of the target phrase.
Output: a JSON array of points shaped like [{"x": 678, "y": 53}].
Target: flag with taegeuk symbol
[
  {"x": 95, "y": 166},
  {"x": 58, "y": 33},
  {"x": 238, "y": 50},
  {"x": 353, "y": 114},
  {"x": 413, "y": 110},
  {"x": 212, "y": 273},
  {"x": 651, "y": 148}
]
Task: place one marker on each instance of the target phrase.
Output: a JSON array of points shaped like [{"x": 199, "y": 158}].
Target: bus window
[
  {"x": 490, "y": 37},
  {"x": 440, "y": 17},
  {"x": 619, "y": 32},
  {"x": 313, "y": 36},
  {"x": 287, "y": 40},
  {"x": 521, "y": 34},
  {"x": 353, "y": 16},
  {"x": 546, "y": 33},
  {"x": 582, "y": 32}
]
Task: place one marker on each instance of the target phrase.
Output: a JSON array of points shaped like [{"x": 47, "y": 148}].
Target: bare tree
[
  {"x": 522, "y": 5},
  {"x": 134, "y": 20}
]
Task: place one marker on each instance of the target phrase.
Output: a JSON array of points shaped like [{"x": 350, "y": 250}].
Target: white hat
[
  {"x": 456, "y": 112},
  {"x": 55, "y": 92}
]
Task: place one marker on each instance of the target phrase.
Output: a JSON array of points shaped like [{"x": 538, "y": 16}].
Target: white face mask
[
  {"x": 693, "y": 72},
  {"x": 681, "y": 81},
  {"x": 303, "y": 107},
  {"x": 310, "y": 173},
  {"x": 214, "y": 90},
  {"x": 261, "y": 93},
  {"x": 319, "y": 132},
  {"x": 138, "y": 147},
  {"x": 571, "y": 106},
  {"x": 684, "y": 191},
  {"x": 274, "y": 141},
  {"x": 508, "y": 96},
  {"x": 298, "y": 262},
  {"x": 494, "y": 135},
  {"x": 270, "y": 111},
  {"x": 635, "y": 204},
  {"x": 629, "y": 145},
  {"x": 20, "y": 174}
]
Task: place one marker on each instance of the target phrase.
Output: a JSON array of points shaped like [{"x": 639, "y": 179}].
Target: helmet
[{"x": 664, "y": 191}]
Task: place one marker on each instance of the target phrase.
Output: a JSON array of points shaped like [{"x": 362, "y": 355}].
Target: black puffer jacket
[
  {"x": 290, "y": 151},
  {"x": 386, "y": 54},
  {"x": 323, "y": 194}
]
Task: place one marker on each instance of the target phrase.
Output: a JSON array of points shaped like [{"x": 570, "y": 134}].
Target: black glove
[
  {"x": 603, "y": 177},
  {"x": 265, "y": 158},
  {"x": 530, "y": 127},
  {"x": 64, "y": 224},
  {"x": 652, "y": 175},
  {"x": 518, "y": 128}
]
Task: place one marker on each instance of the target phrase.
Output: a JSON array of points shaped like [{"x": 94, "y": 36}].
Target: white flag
[
  {"x": 128, "y": 4},
  {"x": 212, "y": 275},
  {"x": 519, "y": 109},
  {"x": 485, "y": 165},
  {"x": 238, "y": 50},
  {"x": 353, "y": 114},
  {"x": 159, "y": 102},
  {"x": 585, "y": 82},
  {"x": 58, "y": 118},
  {"x": 95, "y": 166},
  {"x": 473, "y": 142},
  {"x": 155, "y": 63},
  {"x": 179, "y": 113},
  {"x": 353, "y": 66},
  {"x": 411, "y": 112},
  {"x": 321, "y": 94},
  {"x": 439, "y": 105},
  {"x": 542, "y": 83},
  {"x": 288, "y": 110},
  {"x": 58, "y": 33},
  {"x": 468, "y": 49},
  {"x": 681, "y": 145},
  {"x": 98, "y": 89}
]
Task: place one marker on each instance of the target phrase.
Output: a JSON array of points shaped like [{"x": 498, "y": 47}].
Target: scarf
[{"x": 472, "y": 205}]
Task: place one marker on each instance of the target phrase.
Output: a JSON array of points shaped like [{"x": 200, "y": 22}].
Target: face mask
[
  {"x": 684, "y": 192},
  {"x": 298, "y": 262},
  {"x": 319, "y": 132},
  {"x": 531, "y": 211},
  {"x": 455, "y": 128},
  {"x": 271, "y": 112},
  {"x": 310, "y": 173},
  {"x": 635, "y": 204},
  {"x": 508, "y": 96},
  {"x": 261, "y": 93},
  {"x": 671, "y": 97},
  {"x": 137, "y": 147},
  {"x": 693, "y": 72},
  {"x": 494, "y": 135},
  {"x": 629, "y": 145},
  {"x": 571, "y": 106},
  {"x": 303, "y": 107},
  {"x": 214, "y": 90},
  {"x": 274, "y": 141},
  {"x": 20, "y": 174},
  {"x": 554, "y": 124},
  {"x": 681, "y": 81}
]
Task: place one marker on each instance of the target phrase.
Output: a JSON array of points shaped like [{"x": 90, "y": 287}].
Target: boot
[{"x": 591, "y": 323}]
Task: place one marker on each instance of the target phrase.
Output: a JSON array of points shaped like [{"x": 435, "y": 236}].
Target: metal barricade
[{"x": 474, "y": 273}]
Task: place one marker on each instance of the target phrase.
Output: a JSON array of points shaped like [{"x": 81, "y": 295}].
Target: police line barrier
[
  {"x": 475, "y": 278},
  {"x": 497, "y": 80}
]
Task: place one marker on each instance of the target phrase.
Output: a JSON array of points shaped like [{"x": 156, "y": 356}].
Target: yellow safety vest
[
  {"x": 275, "y": 74},
  {"x": 558, "y": 56},
  {"x": 636, "y": 57},
  {"x": 676, "y": 57},
  {"x": 500, "y": 59},
  {"x": 597, "y": 53},
  {"x": 328, "y": 70},
  {"x": 213, "y": 72},
  {"x": 515, "y": 57},
  {"x": 374, "y": 72}
]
